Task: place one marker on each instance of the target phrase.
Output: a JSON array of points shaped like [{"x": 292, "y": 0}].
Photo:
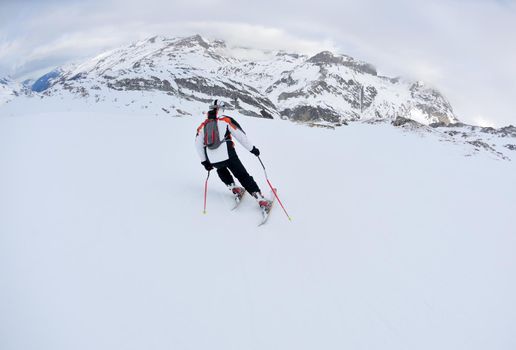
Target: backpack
[{"x": 211, "y": 134}]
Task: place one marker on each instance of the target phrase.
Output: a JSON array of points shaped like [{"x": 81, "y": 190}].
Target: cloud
[
  {"x": 483, "y": 121},
  {"x": 7, "y": 48},
  {"x": 464, "y": 48},
  {"x": 258, "y": 36}
]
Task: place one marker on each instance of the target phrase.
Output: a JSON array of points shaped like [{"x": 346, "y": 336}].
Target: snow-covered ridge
[
  {"x": 9, "y": 89},
  {"x": 499, "y": 143},
  {"x": 181, "y": 72}
]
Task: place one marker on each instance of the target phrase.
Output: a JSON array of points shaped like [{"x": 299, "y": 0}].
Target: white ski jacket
[{"x": 228, "y": 127}]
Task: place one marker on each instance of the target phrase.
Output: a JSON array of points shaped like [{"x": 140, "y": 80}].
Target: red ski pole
[
  {"x": 206, "y": 191},
  {"x": 273, "y": 189}
]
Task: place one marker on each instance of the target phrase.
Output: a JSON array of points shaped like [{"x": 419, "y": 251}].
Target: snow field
[{"x": 397, "y": 241}]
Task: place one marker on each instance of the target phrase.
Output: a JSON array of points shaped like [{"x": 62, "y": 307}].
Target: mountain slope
[
  {"x": 397, "y": 241},
  {"x": 324, "y": 88},
  {"x": 182, "y": 70},
  {"x": 9, "y": 90}
]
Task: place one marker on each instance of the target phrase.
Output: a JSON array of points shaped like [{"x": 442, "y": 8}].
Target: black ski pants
[{"x": 236, "y": 167}]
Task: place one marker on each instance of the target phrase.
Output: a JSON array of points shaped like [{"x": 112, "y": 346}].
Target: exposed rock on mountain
[{"x": 177, "y": 74}]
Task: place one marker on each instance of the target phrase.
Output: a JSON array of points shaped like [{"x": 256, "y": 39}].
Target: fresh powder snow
[{"x": 398, "y": 241}]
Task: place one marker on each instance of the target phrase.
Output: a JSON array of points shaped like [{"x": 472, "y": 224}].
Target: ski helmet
[{"x": 216, "y": 105}]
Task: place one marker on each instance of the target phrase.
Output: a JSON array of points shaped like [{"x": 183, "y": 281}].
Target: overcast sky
[{"x": 466, "y": 49}]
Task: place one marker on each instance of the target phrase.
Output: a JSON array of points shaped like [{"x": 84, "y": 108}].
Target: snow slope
[
  {"x": 8, "y": 90},
  {"x": 397, "y": 241}
]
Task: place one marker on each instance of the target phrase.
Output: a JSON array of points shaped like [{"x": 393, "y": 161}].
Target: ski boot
[
  {"x": 237, "y": 190},
  {"x": 238, "y": 193},
  {"x": 264, "y": 203}
]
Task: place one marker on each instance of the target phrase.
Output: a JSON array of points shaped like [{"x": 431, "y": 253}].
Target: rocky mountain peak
[
  {"x": 288, "y": 54},
  {"x": 219, "y": 44},
  {"x": 325, "y": 58},
  {"x": 192, "y": 41}
]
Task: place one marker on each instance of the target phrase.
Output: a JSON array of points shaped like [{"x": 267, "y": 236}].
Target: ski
[
  {"x": 238, "y": 198},
  {"x": 267, "y": 211}
]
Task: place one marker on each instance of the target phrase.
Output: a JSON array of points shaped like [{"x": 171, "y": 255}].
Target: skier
[{"x": 216, "y": 149}]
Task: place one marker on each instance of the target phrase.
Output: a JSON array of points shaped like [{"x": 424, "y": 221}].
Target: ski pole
[
  {"x": 206, "y": 191},
  {"x": 273, "y": 190}
]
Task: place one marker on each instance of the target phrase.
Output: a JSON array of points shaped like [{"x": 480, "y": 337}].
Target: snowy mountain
[
  {"x": 180, "y": 76},
  {"x": 499, "y": 143},
  {"x": 44, "y": 82},
  {"x": 326, "y": 88},
  {"x": 9, "y": 89}
]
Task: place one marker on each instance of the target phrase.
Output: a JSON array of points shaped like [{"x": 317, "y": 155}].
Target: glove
[
  {"x": 207, "y": 165},
  {"x": 255, "y": 151}
]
